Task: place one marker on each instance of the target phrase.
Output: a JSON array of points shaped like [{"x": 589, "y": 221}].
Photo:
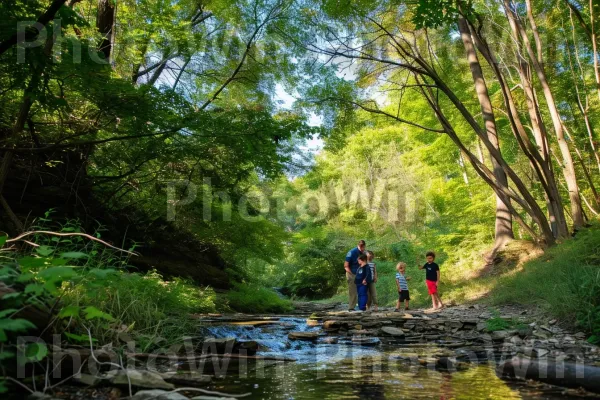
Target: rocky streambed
[{"x": 322, "y": 353}]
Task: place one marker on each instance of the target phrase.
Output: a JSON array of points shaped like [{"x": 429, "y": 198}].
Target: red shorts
[{"x": 431, "y": 286}]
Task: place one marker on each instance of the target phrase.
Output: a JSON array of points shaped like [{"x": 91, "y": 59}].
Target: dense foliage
[{"x": 456, "y": 126}]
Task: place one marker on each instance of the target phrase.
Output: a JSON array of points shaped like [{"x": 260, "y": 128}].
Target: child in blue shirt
[{"x": 362, "y": 279}]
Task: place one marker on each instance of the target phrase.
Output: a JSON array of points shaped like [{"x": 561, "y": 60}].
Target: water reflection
[{"x": 347, "y": 371}]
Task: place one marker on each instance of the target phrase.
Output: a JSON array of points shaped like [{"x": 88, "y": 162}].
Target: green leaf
[
  {"x": 3, "y": 240},
  {"x": 11, "y": 295},
  {"x": 13, "y": 325},
  {"x": 3, "y": 387},
  {"x": 7, "y": 354},
  {"x": 74, "y": 254},
  {"x": 79, "y": 338},
  {"x": 69, "y": 311},
  {"x": 102, "y": 273},
  {"x": 36, "y": 352},
  {"x": 35, "y": 288},
  {"x": 93, "y": 313},
  {"x": 44, "y": 251},
  {"x": 31, "y": 262},
  {"x": 5, "y": 313},
  {"x": 59, "y": 273}
]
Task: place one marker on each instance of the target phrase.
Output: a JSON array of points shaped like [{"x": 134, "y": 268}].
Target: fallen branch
[{"x": 20, "y": 238}]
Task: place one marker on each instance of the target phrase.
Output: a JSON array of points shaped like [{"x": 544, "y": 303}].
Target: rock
[
  {"x": 580, "y": 335},
  {"x": 500, "y": 335},
  {"x": 540, "y": 352},
  {"x": 87, "y": 379},
  {"x": 552, "y": 322},
  {"x": 211, "y": 398},
  {"x": 157, "y": 395},
  {"x": 524, "y": 331},
  {"x": 354, "y": 332},
  {"x": 330, "y": 340},
  {"x": 391, "y": 331},
  {"x": 309, "y": 336},
  {"x": 332, "y": 325},
  {"x": 481, "y": 326},
  {"x": 312, "y": 322},
  {"x": 454, "y": 324},
  {"x": 193, "y": 379},
  {"x": 219, "y": 345},
  {"x": 249, "y": 347},
  {"x": 516, "y": 340},
  {"x": 139, "y": 378},
  {"x": 541, "y": 334}
]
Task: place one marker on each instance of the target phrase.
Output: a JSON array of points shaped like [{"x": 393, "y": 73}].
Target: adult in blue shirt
[{"x": 351, "y": 265}]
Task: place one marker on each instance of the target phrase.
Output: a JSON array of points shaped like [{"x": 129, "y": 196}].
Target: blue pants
[{"x": 363, "y": 296}]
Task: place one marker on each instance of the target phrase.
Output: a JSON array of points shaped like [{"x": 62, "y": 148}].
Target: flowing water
[{"x": 347, "y": 371}]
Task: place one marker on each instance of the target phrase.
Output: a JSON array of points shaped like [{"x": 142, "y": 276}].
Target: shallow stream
[{"x": 347, "y": 371}]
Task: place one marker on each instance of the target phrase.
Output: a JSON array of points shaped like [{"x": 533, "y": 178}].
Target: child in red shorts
[{"x": 432, "y": 277}]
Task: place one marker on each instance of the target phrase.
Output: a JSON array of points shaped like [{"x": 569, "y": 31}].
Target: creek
[{"x": 335, "y": 366}]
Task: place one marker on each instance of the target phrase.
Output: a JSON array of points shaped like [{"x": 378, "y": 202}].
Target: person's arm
[
  {"x": 398, "y": 285},
  {"x": 347, "y": 267},
  {"x": 421, "y": 266}
]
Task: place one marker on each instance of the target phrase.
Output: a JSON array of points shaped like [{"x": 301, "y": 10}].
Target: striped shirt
[{"x": 401, "y": 281}]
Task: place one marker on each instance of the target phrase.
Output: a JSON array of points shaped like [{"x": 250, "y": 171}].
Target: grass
[
  {"x": 147, "y": 305},
  {"x": 255, "y": 299},
  {"x": 564, "y": 282}
]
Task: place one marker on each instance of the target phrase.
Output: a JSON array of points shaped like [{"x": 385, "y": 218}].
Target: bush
[{"x": 256, "y": 299}]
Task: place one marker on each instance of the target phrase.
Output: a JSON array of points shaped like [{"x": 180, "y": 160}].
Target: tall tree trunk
[
  {"x": 538, "y": 155},
  {"x": 569, "y": 167},
  {"x": 595, "y": 47},
  {"x": 105, "y": 22},
  {"x": 503, "y": 229}
]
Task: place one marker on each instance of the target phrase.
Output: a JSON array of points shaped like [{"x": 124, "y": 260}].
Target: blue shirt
[
  {"x": 352, "y": 258},
  {"x": 401, "y": 281},
  {"x": 363, "y": 273}
]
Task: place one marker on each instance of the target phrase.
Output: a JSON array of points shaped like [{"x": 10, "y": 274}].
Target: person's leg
[
  {"x": 406, "y": 304},
  {"x": 352, "y": 297},
  {"x": 369, "y": 296},
  {"x": 439, "y": 301},
  {"x": 373, "y": 295},
  {"x": 398, "y": 304},
  {"x": 362, "y": 292}
]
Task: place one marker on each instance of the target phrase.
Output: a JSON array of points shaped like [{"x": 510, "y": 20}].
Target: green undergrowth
[
  {"x": 564, "y": 282},
  {"x": 251, "y": 298}
]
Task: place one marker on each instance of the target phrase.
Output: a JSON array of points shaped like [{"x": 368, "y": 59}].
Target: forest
[{"x": 161, "y": 159}]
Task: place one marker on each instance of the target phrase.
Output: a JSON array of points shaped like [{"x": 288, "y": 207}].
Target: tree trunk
[
  {"x": 569, "y": 167},
  {"x": 503, "y": 229},
  {"x": 595, "y": 48},
  {"x": 105, "y": 22}
]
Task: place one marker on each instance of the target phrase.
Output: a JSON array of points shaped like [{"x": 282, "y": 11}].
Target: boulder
[
  {"x": 307, "y": 336},
  {"x": 219, "y": 345},
  {"x": 157, "y": 395},
  {"x": 391, "y": 331},
  {"x": 138, "y": 378},
  {"x": 249, "y": 347}
]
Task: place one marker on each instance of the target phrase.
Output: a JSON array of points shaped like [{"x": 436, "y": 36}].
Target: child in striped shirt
[{"x": 402, "y": 284}]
